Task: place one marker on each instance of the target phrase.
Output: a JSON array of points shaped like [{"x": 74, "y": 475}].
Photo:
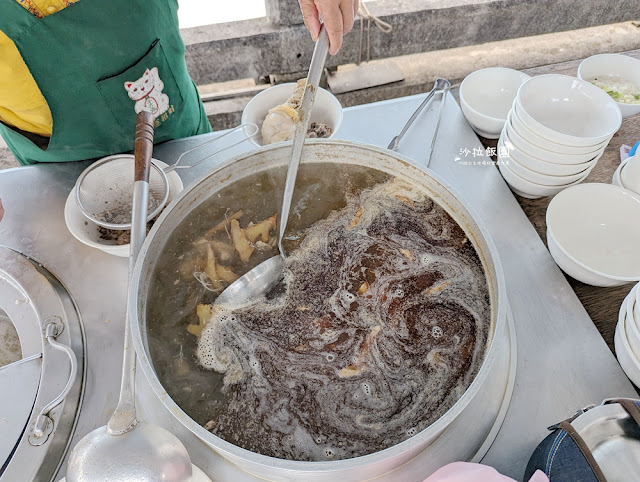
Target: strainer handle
[
  {"x": 143, "y": 145},
  {"x": 250, "y": 129}
]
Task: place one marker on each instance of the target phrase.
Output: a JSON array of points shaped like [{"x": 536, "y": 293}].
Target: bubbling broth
[{"x": 380, "y": 324}]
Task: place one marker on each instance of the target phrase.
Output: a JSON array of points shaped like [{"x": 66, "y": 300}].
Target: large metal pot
[{"x": 474, "y": 414}]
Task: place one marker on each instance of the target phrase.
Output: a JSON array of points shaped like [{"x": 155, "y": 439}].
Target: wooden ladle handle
[{"x": 143, "y": 149}]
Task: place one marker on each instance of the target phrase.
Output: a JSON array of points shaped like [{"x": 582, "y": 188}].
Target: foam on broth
[{"x": 379, "y": 328}]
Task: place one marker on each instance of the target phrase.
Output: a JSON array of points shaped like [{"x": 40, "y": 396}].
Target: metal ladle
[
  {"x": 266, "y": 275},
  {"x": 127, "y": 449}
]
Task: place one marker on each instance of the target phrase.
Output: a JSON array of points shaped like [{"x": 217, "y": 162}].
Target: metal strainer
[{"x": 104, "y": 191}]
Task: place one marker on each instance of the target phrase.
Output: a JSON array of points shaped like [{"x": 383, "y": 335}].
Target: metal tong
[
  {"x": 250, "y": 129},
  {"x": 440, "y": 85}
]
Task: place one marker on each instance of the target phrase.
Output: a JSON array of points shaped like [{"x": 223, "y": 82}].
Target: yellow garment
[{"x": 22, "y": 105}]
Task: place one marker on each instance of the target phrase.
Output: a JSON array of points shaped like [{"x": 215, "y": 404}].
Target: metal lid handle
[{"x": 44, "y": 424}]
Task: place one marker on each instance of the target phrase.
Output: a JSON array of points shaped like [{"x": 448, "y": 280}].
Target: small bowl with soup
[{"x": 618, "y": 75}]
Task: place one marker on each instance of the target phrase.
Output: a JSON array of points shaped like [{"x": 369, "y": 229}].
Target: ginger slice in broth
[
  {"x": 356, "y": 218},
  {"x": 244, "y": 240},
  {"x": 226, "y": 274},
  {"x": 364, "y": 287},
  {"x": 359, "y": 364},
  {"x": 216, "y": 272},
  {"x": 205, "y": 313},
  {"x": 240, "y": 241},
  {"x": 405, "y": 199},
  {"x": 211, "y": 268},
  {"x": 224, "y": 223},
  {"x": 261, "y": 230},
  {"x": 407, "y": 254}
]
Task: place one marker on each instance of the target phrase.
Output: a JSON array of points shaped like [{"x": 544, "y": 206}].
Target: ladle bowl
[
  {"x": 147, "y": 453},
  {"x": 253, "y": 284}
]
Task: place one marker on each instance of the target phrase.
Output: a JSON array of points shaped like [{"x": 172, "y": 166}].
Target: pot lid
[{"x": 41, "y": 369}]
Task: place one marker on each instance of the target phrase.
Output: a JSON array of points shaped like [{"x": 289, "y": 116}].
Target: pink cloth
[{"x": 468, "y": 472}]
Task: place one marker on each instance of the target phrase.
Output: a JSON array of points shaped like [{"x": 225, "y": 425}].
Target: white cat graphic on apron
[{"x": 147, "y": 93}]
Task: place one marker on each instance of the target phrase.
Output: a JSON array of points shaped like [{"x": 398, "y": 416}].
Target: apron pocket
[{"x": 149, "y": 85}]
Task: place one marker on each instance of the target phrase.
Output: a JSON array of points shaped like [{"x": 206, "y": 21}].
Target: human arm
[{"x": 338, "y": 17}]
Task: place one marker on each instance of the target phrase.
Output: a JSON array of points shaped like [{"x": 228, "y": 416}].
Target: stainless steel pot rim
[{"x": 222, "y": 445}]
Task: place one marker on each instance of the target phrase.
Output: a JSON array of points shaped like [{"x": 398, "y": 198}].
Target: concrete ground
[
  {"x": 6, "y": 158},
  {"x": 420, "y": 70}
]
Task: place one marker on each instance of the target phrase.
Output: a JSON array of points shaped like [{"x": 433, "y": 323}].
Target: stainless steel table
[{"x": 563, "y": 362}]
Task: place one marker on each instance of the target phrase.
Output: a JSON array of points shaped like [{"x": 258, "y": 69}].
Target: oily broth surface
[
  {"x": 174, "y": 295},
  {"x": 379, "y": 327}
]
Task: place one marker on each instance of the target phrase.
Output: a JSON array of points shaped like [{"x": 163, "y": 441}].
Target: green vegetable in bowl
[{"x": 619, "y": 90}]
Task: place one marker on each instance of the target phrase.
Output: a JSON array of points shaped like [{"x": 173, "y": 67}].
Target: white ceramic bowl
[
  {"x": 631, "y": 328},
  {"x": 326, "y": 108},
  {"x": 633, "y": 313},
  {"x": 593, "y": 233},
  {"x": 567, "y": 110},
  {"x": 532, "y": 149},
  {"x": 629, "y": 363},
  {"x": 627, "y": 175},
  {"x": 630, "y": 174},
  {"x": 615, "y": 180},
  {"x": 486, "y": 96},
  {"x": 543, "y": 167},
  {"x": 636, "y": 307},
  {"x": 518, "y": 125},
  {"x": 623, "y": 66},
  {"x": 544, "y": 179},
  {"x": 86, "y": 231},
  {"x": 525, "y": 188}
]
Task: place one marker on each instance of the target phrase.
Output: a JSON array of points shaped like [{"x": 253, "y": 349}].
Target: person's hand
[
  {"x": 338, "y": 17},
  {"x": 1, "y": 210}
]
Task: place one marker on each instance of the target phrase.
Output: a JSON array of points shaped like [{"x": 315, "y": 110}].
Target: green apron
[{"x": 97, "y": 63}]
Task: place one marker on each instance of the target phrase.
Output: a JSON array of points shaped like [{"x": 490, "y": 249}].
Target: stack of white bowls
[
  {"x": 627, "y": 337},
  {"x": 556, "y": 131}
]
